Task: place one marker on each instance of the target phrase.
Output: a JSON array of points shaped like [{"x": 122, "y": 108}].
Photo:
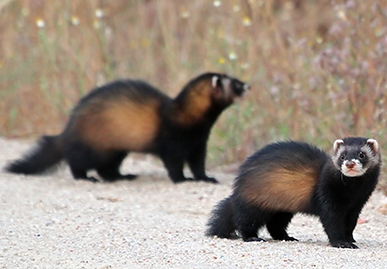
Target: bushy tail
[
  {"x": 221, "y": 222},
  {"x": 44, "y": 156}
]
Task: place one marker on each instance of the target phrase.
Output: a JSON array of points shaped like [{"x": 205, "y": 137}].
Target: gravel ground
[{"x": 53, "y": 221}]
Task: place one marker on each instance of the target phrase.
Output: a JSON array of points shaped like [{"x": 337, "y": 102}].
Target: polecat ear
[
  {"x": 217, "y": 86},
  {"x": 373, "y": 144},
  {"x": 337, "y": 144},
  {"x": 215, "y": 81}
]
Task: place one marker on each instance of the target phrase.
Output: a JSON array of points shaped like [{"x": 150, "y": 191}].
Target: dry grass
[{"x": 317, "y": 68}]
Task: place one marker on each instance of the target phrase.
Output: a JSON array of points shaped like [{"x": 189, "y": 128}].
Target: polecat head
[
  {"x": 226, "y": 89},
  {"x": 205, "y": 95},
  {"x": 353, "y": 156}
]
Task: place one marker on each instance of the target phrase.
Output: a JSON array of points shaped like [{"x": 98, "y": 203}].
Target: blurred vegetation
[{"x": 317, "y": 68}]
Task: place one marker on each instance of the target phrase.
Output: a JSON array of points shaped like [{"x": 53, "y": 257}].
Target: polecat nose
[
  {"x": 246, "y": 87},
  {"x": 350, "y": 164}
]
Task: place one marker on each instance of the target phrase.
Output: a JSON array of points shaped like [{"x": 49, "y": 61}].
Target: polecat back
[{"x": 281, "y": 176}]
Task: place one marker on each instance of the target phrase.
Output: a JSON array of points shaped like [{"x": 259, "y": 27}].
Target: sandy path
[{"x": 54, "y": 221}]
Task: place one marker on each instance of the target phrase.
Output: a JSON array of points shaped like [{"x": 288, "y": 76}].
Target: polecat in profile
[
  {"x": 131, "y": 115},
  {"x": 285, "y": 178}
]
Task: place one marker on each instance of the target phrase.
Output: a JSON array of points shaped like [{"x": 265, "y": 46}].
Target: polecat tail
[
  {"x": 221, "y": 222},
  {"x": 44, "y": 156}
]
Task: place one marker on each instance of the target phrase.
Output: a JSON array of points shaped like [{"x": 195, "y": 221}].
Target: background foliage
[{"x": 317, "y": 68}]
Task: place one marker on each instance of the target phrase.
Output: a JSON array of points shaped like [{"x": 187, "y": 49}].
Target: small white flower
[
  {"x": 99, "y": 13},
  {"x": 246, "y": 21},
  {"x": 341, "y": 14},
  {"x": 232, "y": 56},
  {"x": 75, "y": 20},
  {"x": 40, "y": 23},
  {"x": 217, "y": 3}
]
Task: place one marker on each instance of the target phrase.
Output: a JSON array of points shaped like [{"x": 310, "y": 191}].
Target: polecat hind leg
[
  {"x": 80, "y": 159},
  {"x": 277, "y": 226},
  {"x": 109, "y": 169},
  {"x": 249, "y": 220}
]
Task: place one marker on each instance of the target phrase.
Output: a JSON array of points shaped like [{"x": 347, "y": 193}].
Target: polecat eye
[
  {"x": 342, "y": 157},
  {"x": 361, "y": 155}
]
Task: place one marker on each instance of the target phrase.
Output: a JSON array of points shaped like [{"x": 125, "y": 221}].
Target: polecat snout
[
  {"x": 131, "y": 115},
  {"x": 285, "y": 178}
]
